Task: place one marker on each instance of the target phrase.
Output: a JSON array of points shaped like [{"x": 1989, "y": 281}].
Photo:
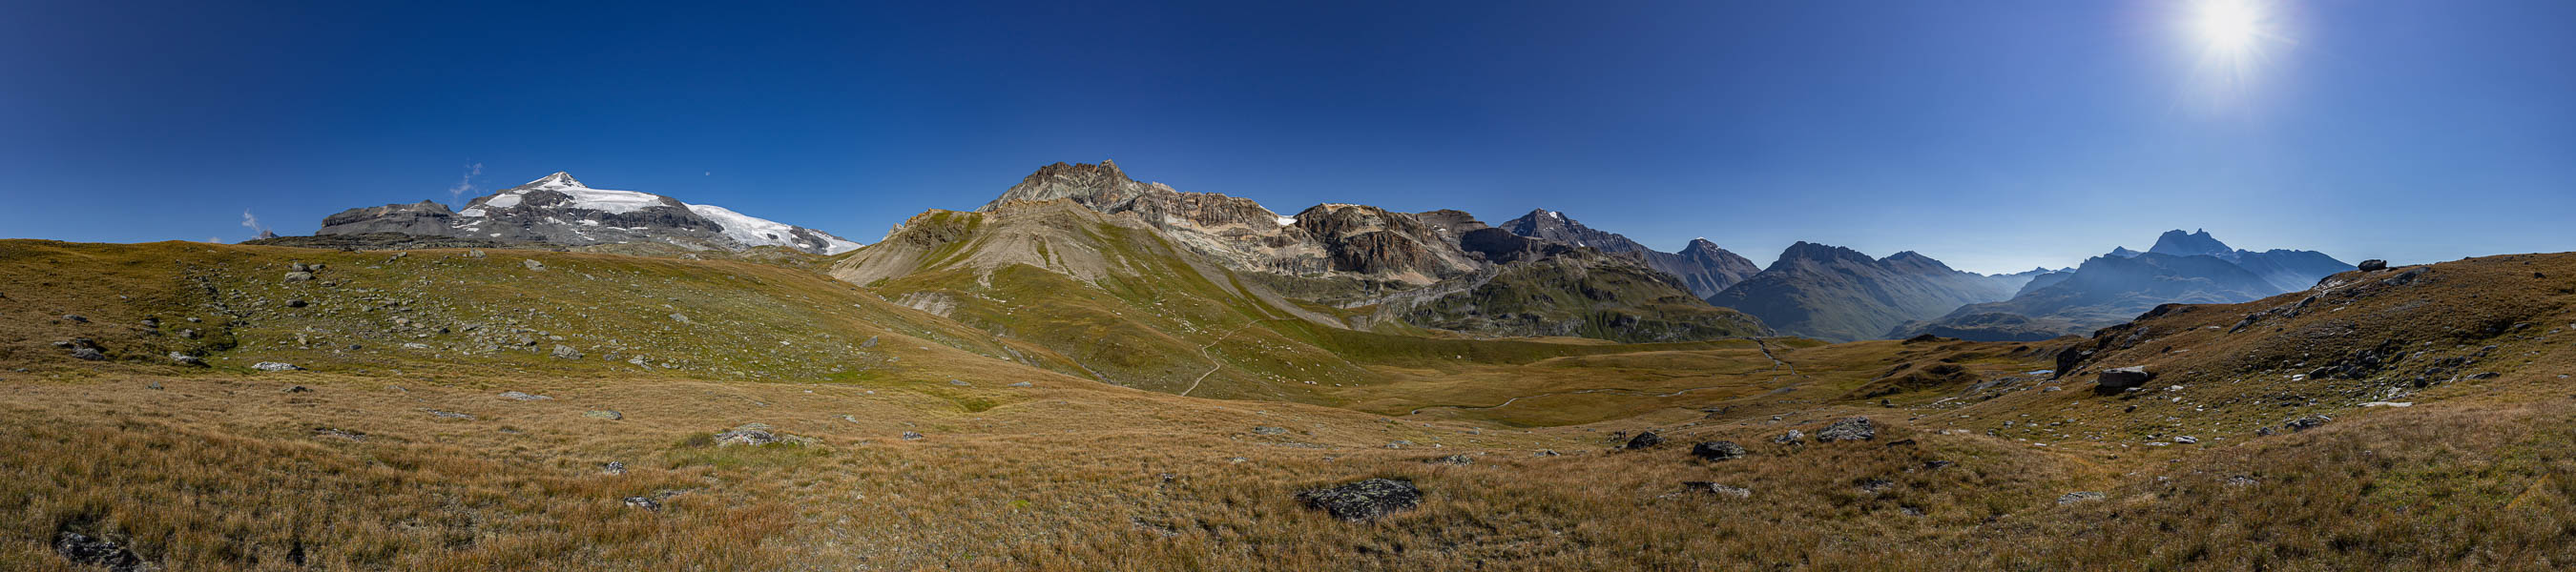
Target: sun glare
[{"x": 2230, "y": 36}]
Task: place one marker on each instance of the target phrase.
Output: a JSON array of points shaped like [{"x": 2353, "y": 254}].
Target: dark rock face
[
  {"x": 1718, "y": 450},
  {"x": 2119, "y": 379},
  {"x": 2373, "y": 265},
  {"x": 1849, "y": 429},
  {"x": 1364, "y": 500},
  {"x": 1644, "y": 440},
  {"x": 87, "y": 551},
  {"x": 558, "y": 209},
  {"x": 422, "y": 218}
]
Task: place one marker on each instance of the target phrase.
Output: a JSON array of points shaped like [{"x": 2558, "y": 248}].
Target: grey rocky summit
[
  {"x": 559, "y": 209},
  {"x": 1363, "y": 500}
]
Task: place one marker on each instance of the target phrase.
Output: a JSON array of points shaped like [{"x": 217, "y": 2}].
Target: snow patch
[
  {"x": 755, "y": 231},
  {"x": 1287, "y": 220}
]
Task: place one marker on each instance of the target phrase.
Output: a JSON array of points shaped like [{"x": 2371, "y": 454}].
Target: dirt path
[{"x": 1214, "y": 365}]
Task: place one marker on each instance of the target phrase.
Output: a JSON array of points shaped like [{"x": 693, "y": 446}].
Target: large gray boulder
[
  {"x": 2119, "y": 379},
  {"x": 1717, "y": 450},
  {"x": 1363, "y": 500},
  {"x": 1850, "y": 429}
]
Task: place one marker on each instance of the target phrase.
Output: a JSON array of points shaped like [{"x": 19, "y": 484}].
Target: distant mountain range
[
  {"x": 1367, "y": 268},
  {"x": 2115, "y": 287},
  {"x": 1836, "y": 293},
  {"x": 559, "y": 209}
]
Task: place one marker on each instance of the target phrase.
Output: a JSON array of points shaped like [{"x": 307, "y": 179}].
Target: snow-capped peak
[{"x": 560, "y": 179}]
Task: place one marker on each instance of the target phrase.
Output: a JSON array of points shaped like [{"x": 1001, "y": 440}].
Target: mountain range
[
  {"x": 1840, "y": 294},
  {"x": 558, "y": 209},
  {"x": 2182, "y": 267}
]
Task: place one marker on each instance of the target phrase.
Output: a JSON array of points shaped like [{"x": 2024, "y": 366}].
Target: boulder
[
  {"x": 1644, "y": 440},
  {"x": 1452, "y": 460},
  {"x": 1023, "y": 384},
  {"x": 566, "y": 352},
  {"x": 1363, "y": 500},
  {"x": 2373, "y": 264},
  {"x": 187, "y": 360},
  {"x": 613, "y": 468},
  {"x": 88, "y": 354},
  {"x": 2081, "y": 496},
  {"x": 1717, "y": 450},
  {"x": 2119, "y": 379},
  {"x": 1851, "y": 429},
  {"x": 2306, "y": 423},
  {"x": 1793, "y": 437},
  {"x": 1269, "y": 430},
  {"x": 746, "y": 436},
  {"x": 533, "y": 264},
  {"x": 646, "y": 503},
  {"x": 84, "y": 550},
  {"x": 911, "y": 436},
  {"x": 522, "y": 396},
  {"x": 274, "y": 366},
  {"x": 608, "y": 414},
  {"x": 1716, "y": 489},
  {"x": 299, "y": 276}
]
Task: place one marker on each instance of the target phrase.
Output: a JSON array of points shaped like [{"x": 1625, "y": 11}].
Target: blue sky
[{"x": 1992, "y": 135}]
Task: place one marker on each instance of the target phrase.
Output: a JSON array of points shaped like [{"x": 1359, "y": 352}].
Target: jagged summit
[
  {"x": 2176, "y": 242},
  {"x": 559, "y": 209},
  {"x": 1704, "y": 270}
]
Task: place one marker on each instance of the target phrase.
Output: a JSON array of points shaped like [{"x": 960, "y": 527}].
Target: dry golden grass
[{"x": 220, "y": 470}]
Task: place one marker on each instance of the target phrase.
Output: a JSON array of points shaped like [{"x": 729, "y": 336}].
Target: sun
[
  {"x": 2229, "y": 27},
  {"x": 2231, "y": 38}
]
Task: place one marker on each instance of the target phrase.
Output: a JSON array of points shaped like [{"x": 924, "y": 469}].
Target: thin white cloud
[
  {"x": 465, "y": 183},
  {"x": 251, "y": 222}
]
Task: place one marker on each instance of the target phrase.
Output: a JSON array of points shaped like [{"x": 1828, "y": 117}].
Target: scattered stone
[
  {"x": 2242, "y": 481},
  {"x": 1237, "y": 460},
  {"x": 613, "y": 468},
  {"x": 1901, "y": 443},
  {"x": 299, "y": 277},
  {"x": 190, "y": 333},
  {"x": 646, "y": 503},
  {"x": 1937, "y": 464},
  {"x": 1851, "y": 429},
  {"x": 911, "y": 436},
  {"x": 297, "y": 303},
  {"x": 1718, "y": 489},
  {"x": 88, "y": 354},
  {"x": 2119, "y": 379},
  {"x": 75, "y": 318},
  {"x": 959, "y": 383},
  {"x": 474, "y": 253},
  {"x": 1452, "y": 460},
  {"x": 1717, "y": 450},
  {"x": 2306, "y": 423},
  {"x": 1644, "y": 440},
  {"x": 533, "y": 264},
  {"x": 83, "y": 550},
  {"x": 680, "y": 318},
  {"x": 749, "y": 434},
  {"x": 275, "y": 366},
  {"x": 2390, "y": 404},
  {"x": 2081, "y": 496},
  {"x": 1023, "y": 384},
  {"x": 296, "y": 389},
  {"x": 1269, "y": 430},
  {"x": 1363, "y": 500},
  {"x": 1398, "y": 444},
  {"x": 339, "y": 434},
  {"x": 1793, "y": 437},
  {"x": 608, "y": 414},
  {"x": 448, "y": 414},
  {"x": 566, "y": 352},
  {"x": 521, "y": 396},
  {"x": 2187, "y": 440},
  {"x": 155, "y": 385},
  {"x": 1544, "y": 453},
  {"x": 1874, "y": 486},
  {"x": 2373, "y": 265},
  {"x": 187, "y": 360},
  {"x": 850, "y": 418}
]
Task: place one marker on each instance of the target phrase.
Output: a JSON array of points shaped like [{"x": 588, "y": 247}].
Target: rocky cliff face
[
  {"x": 559, "y": 209},
  {"x": 1326, "y": 241},
  {"x": 1702, "y": 267},
  {"x": 1837, "y": 293}
]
